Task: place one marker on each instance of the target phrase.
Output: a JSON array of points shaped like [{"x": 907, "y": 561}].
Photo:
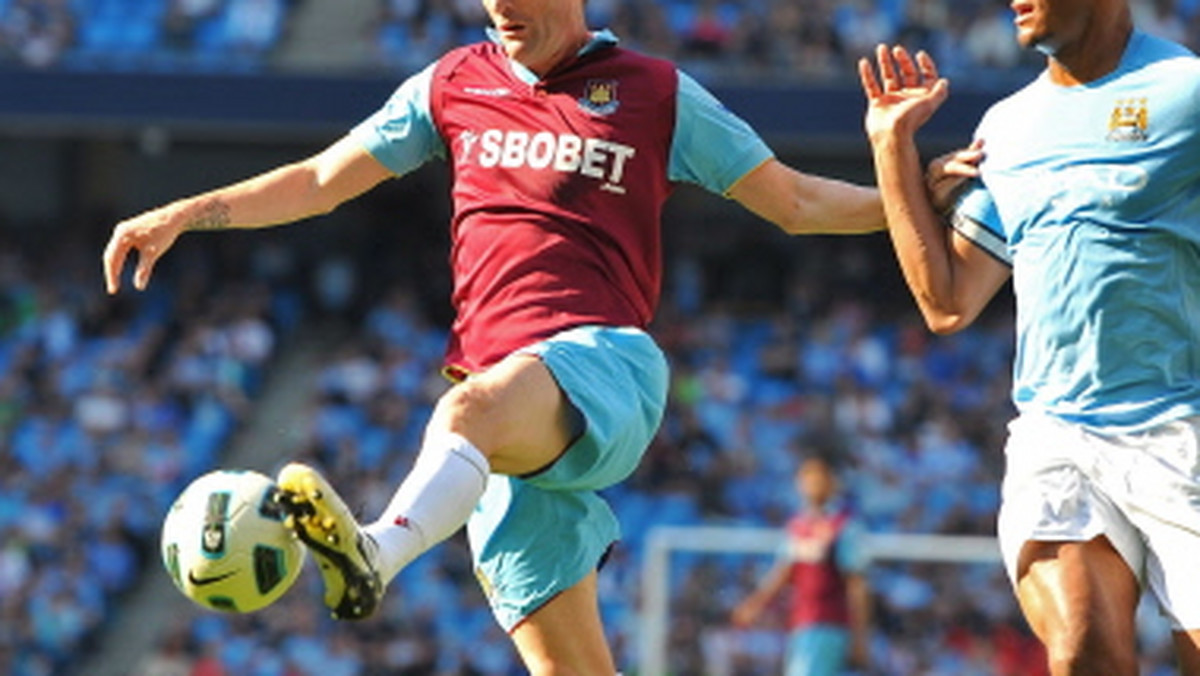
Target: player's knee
[
  {"x": 466, "y": 402},
  {"x": 471, "y": 411}
]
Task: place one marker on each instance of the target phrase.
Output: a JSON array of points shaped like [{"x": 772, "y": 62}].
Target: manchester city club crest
[
  {"x": 1129, "y": 120},
  {"x": 600, "y": 97}
]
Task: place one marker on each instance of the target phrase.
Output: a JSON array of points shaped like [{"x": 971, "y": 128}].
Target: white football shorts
[{"x": 1065, "y": 482}]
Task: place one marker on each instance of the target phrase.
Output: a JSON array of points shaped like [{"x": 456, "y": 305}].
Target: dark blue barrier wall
[{"x": 71, "y": 103}]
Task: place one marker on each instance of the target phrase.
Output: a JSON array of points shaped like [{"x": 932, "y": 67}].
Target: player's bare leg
[
  {"x": 514, "y": 412},
  {"x": 565, "y": 637},
  {"x": 1081, "y": 600},
  {"x": 511, "y": 419},
  {"x": 517, "y": 417},
  {"x": 1187, "y": 649},
  {"x": 522, "y": 421}
]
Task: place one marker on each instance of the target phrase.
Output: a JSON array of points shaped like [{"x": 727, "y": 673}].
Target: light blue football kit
[
  {"x": 1092, "y": 194},
  {"x": 534, "y": 537}
]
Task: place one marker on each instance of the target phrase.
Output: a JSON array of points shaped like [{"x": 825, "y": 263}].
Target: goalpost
[{"x": 662, "y": 542}]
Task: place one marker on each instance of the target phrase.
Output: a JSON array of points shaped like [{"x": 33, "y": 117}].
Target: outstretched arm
[
  {"x": 747, "y": 612},
  {"x": 950, "y": 278},
  {"x": 801, "y": 203},
  {"x": 290, "y": 193},
  {"x": 858, "y": 599},
  {"x": 714, "y": 148}
]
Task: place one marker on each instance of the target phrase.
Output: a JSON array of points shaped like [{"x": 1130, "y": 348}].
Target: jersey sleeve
[
  {"x": 402, "y": 134},
  {"x": 712, "y": 147},
  {"x": 852, "y": 555},
  {"x": 975, "y": 217}
]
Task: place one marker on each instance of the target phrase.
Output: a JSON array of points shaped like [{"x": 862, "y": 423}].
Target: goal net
[{"x": 720, "y": 565}]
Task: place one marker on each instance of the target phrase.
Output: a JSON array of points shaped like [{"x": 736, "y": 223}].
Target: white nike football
[{"x": 225, "y": 544}]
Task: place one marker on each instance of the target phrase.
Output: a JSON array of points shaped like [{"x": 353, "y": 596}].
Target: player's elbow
[
  {"x": 802, "y": 220},
  {"x": 797, "y": 224},
  {"x": 316, "y": 199},
  {"x": 322, "y": 205},
  {"x": 945, "y": 312},
  {"x": 945, "y": 323},
  {"x": 312, "y": 192}
]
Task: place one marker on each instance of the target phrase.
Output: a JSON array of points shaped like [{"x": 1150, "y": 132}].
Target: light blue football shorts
[
  {"x": 536, "y": 536},
  {"x": 817, "y": 650}
]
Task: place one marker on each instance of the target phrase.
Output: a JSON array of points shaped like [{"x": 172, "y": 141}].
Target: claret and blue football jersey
[{"x": 559, "y": 183}]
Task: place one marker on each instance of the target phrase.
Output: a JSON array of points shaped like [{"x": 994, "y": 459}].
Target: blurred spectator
[
  {"x": 644, "y": 24},
  {"x": 183, "y": 20},
  {"x": 37, "y": 33},
  {"x": 989, "y": 41},
  {"x": 468, "y": 20},
  {"x": 252, "y": 27},
  {"x": 860, "y": 26},
  {"x": 924, "y": 26},
  {"x": 803, "y": 39},
  {"x": 602, "y": 12},
  {"x": 708, "y": 32},
  {"x": 1160, "y": 17},
  {"x": 171, "y": 658}
]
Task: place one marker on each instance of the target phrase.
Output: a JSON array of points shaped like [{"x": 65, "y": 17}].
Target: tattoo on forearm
[{"x": 211, "y": 215}]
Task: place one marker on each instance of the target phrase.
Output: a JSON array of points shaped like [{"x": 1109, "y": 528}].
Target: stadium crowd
[
  {"x": 785, "y": 39},
  {"x": 106, "y": 410},
  {"x": 150, "y": 35}
]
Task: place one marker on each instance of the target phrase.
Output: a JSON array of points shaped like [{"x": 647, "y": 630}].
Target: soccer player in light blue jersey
[{"x": 1088, "y": 197}]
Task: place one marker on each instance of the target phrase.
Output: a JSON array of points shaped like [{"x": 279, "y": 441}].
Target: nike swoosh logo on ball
[{"x": 201, "y": 581}]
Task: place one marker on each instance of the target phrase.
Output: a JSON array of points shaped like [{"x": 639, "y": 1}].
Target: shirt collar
[{"x": 601, "y": 39}]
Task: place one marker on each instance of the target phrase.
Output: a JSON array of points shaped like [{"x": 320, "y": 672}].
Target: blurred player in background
[
  {"x": 563, "y": 147},
  {"x": 822, "y": 564},
  {"x": 1089, "y": 197}
]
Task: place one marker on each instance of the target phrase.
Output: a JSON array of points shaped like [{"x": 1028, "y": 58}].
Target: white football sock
[{"x": 432, "y": 502}]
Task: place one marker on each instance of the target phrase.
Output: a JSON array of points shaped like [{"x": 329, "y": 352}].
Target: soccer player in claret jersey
[
  {"x": 1088, "y": 195},
  {"x": 563, "y": 147},
  {"x": 822, "y": 564}
]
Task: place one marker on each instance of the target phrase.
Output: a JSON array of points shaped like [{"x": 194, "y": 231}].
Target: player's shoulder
[
  {"x": 628, "y": 60},
  {"x": 642, "y": 57},
  {"x": 1162, "y": 60},
  {"x": 1161, "y": 71},
  {"x": 458, "y": 57},
  {"x": 1145, "y": 48}
]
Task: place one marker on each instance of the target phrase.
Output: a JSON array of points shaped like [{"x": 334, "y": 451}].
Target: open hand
[
  {"x": 905, "y": 92},
  {"x": 150, "y": 234}
]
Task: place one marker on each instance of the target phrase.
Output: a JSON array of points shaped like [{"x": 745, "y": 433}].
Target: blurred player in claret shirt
[
  {"x": 821, "y": 564},
  {"x": 1088, "y": 197}
]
